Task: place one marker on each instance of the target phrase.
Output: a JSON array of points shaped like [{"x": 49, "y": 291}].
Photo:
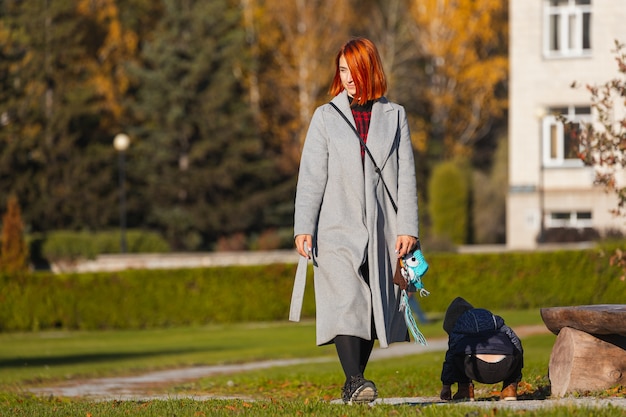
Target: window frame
[
  {"x": 550, "y": 122},
  {"x": 571, "y": 30},
  {"x": 576, "y": 219}
]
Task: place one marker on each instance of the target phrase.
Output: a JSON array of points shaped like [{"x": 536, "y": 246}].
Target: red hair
[{"x": 366, "y": 69}]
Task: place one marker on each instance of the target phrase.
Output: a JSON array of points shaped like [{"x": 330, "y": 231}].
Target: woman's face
[{"x": 346, "y": 77}]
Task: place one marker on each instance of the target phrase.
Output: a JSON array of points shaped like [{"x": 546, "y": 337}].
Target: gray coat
[{"x": 342, "y": 203}]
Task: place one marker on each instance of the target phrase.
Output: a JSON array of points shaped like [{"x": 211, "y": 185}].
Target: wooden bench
[{"x": 590, "y": 349}]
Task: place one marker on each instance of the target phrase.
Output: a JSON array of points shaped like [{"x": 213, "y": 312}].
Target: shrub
[
  {"x": 14, "y": 255},
  {"x": 137, "y": 241},
  {"x": 448, "y": 206},
  {"x": 570, "y": 234},
  {"x": 489, "y": 199},
  {"x": 234, "y": 242},
  {"x": 69, "y": 246},
  {"x": 272, "y": 239}
]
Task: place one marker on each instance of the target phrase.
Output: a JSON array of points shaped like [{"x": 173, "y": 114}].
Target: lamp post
[
  {"x": 540, "y": 114},
  {"x": 121, "y": 143}
]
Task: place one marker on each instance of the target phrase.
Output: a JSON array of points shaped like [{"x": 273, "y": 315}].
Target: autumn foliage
[
  {"x": 217, "y": 97},
  {"x": 602, "y": 144},
  {"x": 14, "y": 256},
  {"x": 464, "y": 47}
]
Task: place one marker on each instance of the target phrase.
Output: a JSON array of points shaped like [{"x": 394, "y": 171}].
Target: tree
[
  {"x": 296, "y": 44},
  {"x": 62, "y": 110},
  {"x": 14, "y": 256},
  {"x": 109, "y": 48},
  {"x": 216, "y": 96},
  {"x": 391, "y": 27},
  {"x": 602, "y": 143},
  {"x": 203, "y": 170},
  {"x": 464, "y": 47}
]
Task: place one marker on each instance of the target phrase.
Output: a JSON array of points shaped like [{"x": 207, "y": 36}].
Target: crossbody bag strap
[{"x": 367, "y": 151}]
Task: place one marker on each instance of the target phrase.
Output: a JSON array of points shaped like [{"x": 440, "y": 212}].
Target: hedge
[
  {"x": 64, "y": 245},
  {"x": 135, "y": 299}
]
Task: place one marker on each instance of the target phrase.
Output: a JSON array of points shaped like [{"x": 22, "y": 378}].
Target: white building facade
[{"x": 554, "y": 43}]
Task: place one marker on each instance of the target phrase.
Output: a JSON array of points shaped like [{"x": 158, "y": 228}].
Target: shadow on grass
[
  {"x": 540, "y": 393},
  {"x": 89, "y": 358}
]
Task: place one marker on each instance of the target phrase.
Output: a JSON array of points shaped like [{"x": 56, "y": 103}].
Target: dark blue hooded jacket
[{"x": 478, "y": 331}]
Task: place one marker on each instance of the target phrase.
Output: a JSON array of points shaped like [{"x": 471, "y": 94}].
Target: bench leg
[{"x": 582, "y": 362}]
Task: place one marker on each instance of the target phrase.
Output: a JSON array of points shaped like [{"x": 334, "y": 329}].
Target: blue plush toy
[{"x": 414, "y": 266}]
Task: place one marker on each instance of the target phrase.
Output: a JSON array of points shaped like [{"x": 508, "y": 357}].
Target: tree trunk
[{"x": 583, "y": 362}]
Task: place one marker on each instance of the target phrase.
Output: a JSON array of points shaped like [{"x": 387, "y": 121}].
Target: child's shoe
[
  {"x": 465, "y": 392},
  {"x": 509, "y": 393}
]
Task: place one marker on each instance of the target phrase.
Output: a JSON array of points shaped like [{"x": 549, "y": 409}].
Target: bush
[
  {"x": 448, "y": 206},
  {"x": 569, "y": 234},
  {"x": 489, "y": 199},
  {"x": 68, "y": 246},
  {"x": 272, "y": 239}
]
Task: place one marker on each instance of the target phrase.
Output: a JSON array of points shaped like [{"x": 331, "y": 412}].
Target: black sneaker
[{"x": 359, "y": 390}]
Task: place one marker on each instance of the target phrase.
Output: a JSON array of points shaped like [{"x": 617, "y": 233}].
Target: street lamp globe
[{"x": 121, "y": 142}]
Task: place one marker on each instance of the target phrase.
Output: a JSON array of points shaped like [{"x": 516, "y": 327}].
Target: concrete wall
[{"x": 177, "y": 260}]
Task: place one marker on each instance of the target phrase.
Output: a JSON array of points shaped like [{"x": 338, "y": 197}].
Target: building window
[
  {"x": 569, "y": 219},
  {"x": 567, "y": 28},
  {"x": 560, "y": 139}
]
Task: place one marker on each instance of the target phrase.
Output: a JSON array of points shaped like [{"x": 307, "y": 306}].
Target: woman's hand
[
  {"x": 405, "y": 244},
  {"x": 304, "y": 245}
]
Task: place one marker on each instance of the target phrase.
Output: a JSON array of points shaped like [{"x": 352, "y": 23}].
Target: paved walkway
[
  {"x": 138, "y": 388},
  {"x": 132, "y": 387}
]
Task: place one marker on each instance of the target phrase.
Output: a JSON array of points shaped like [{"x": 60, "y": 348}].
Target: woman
[{"x": 346, "y": 221}]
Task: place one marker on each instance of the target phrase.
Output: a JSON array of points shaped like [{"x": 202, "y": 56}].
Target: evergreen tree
[
  {"x": 217, "y": 105},
  {"x": 206, "y": 173},
  {"x": 14, "y": 255},
  {"x": 51, "y": 143}
]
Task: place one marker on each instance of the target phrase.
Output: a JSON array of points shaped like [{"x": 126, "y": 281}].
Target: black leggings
[{"x": 354, "y": 352}]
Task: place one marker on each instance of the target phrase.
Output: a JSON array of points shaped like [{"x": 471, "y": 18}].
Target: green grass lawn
[
  {"x": 31, "y": 359},
  {"x": 406, "y": 376},
  {"x": 40, "y": 357}
]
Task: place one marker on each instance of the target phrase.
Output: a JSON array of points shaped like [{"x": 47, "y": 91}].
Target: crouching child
[{"x": 482, "y": 348}]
